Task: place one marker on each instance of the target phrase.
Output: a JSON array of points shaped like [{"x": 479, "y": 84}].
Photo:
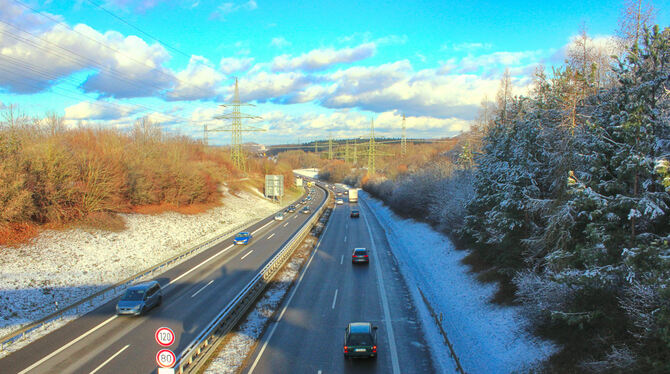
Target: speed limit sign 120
[
  {"x": 165, "y": 358},
  {"x": 164, "y": 336}
]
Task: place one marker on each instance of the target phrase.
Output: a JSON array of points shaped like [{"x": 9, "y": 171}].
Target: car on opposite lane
[
  {"x": 291, "y": 208},
  {"x": 355, "y": 214},
  {"x": 360, "y": 255},
  {"x": 339, "y": 201},
  {"x": 242, "y": 238},
  {"x": 305, "y": 210},
  {"x": 279, "y": 216},
  {"x": 140, "y": 298},
  {"x": 360, "y": 340}
]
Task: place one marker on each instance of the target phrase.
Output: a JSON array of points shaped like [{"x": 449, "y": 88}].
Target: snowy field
[
  {"x": 65, "y": 266},
  {"x": 487, "y": 338}
]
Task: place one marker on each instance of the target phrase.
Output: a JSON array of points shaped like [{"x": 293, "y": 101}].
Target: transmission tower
[
  {"x": 403, "y": 139},
  {"x": 346, "y": 151},
  {"x": 236, "y": 129},
  {"x": 330, "y": 147},
  {"x": 316, "y": 147},
  {"x": 355, "y": 152},
  {"x": 372, "y": 150}
]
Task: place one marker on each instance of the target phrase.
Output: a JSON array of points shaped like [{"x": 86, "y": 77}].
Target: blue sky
[{"x": 312, "y": 68}]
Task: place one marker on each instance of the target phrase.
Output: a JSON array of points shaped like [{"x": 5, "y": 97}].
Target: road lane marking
[
  {"x": 109, "y": 359},
  {"x": 334, "y": 299},
  {"x": 345, "y": 238},
  {"x": 246, "y": 255},
  {"x": 261, "y": 228},
  {"x": 286, "y": 224},
  {"x": 66, "y": 346},
  {"x": 199, "y": 265},
  {"x": 200, "y": 290},
  {"x": 273, "y": 234},
  {"x": 341, "y": 259},
  {"x": 385, "y": 303},
  {"x": 288, "y": 302},
  {"x": 318, "y": 372}
]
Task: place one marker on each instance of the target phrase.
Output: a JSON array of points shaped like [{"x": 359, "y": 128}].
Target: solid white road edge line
[
  {"x": 334, "y": 299},
  {"x": 203, "y": 287},
  {"x": 288, "y": 302},
  {"x": 341, "y": 259},
  {"x": 261, "y": 228},
  {"x": 66, "y": 346},
  {"x": 385, "y": 303},
  {"x": 109, "y": 359},
  {"x": 248, "y": 253},
  {"x": 273, "y": 234}
]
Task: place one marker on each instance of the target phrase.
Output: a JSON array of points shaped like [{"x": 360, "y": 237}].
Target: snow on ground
[
  {"x": 232, "y": 355},
  {"x": 67, "y": 266},
  {"x": 487, "y": 338}
]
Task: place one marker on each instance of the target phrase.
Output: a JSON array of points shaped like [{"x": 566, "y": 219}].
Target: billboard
[{"x": 274, "y": 186}]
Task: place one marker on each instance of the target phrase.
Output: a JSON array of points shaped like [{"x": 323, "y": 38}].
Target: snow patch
[{"x": 487, "y": 338}]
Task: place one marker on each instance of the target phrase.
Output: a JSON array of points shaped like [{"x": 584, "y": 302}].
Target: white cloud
[
  {"x": 98, "y": 110},
  {"x": 321, "y": 59},
  {"x": 279, "y": 42},
  {"x": 229, "y": 7},
  {"x": 229, "y": 65},
  {"x": 271, "y": 87},
  {"x": 198, "y": 81}
]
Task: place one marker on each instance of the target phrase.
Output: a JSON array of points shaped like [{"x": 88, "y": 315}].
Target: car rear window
[
  {"x": 360, "y": 251},
  {"x": 359, "y": 339}
]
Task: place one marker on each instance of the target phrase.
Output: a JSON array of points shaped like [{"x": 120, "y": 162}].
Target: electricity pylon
[
  {"x": 403, "y": 139},
  {"x": 355, "y": 152},
  {"x": 330, "y": 147},
  {"x": 346, "y": 151},
  {"x": 316, "y": 147},
  {"x": 372, "y": 151},
  {"x": 236, "y": 129}
]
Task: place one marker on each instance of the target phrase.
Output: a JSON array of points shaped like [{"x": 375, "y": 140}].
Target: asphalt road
[
  {"x": 194, "y": 292},
  {"x": 308, "y": 336}
]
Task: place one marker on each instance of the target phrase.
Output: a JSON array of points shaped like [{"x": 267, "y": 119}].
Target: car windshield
[
  {"x": 242, "y": 235},
  {"x": 133, "y": 295},
  {"x": 359, "y": 339}
]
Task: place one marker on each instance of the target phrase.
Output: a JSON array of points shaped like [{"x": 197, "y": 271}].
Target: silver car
[{"x": 140, "y": 298}]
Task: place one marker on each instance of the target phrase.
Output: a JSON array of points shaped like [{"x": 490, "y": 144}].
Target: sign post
[{"x": 165, "y": 358}]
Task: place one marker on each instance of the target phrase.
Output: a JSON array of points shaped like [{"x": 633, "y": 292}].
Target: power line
[{"x": 138, "y": 29}]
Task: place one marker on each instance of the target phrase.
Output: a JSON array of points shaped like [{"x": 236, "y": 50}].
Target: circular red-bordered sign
[
  {"x": 164, "y": 336},
  {"x": 165, "y": 358}
]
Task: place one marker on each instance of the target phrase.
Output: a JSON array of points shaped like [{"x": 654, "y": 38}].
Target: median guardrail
[
  {"x": 116, "y": 289},
  {"x": 196, "y": 353}
]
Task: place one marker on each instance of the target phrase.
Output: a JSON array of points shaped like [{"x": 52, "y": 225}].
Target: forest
[
  {"x": 562, "y": 195},
  {"x": 52, "y": 176}
]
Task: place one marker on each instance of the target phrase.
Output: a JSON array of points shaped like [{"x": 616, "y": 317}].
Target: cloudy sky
[{"x": 313, "y": 69}]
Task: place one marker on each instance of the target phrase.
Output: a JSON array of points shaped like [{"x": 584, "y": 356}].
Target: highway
[
  {"x": 194, "y": 292},
  {"x": 331, "y": 292}
]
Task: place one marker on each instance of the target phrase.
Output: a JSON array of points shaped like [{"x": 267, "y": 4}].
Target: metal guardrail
[
  {"x": 116, "y": 289},
  {"x": 196, "y": 353}
]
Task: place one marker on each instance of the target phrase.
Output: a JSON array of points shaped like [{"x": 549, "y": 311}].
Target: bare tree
[
  {"x": 504, "y": 96},
  {"x": 635, "y": 16}
]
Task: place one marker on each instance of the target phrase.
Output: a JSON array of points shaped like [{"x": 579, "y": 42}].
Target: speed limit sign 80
[{"x": 165, "y": 358}]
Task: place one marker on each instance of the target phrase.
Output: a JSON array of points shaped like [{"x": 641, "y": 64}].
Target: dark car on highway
[
  {"x": 140, "y": 298},
  {"x": 360, "y": 255},
  {"x": 360, "y": 340},
  {"x": 291, "y": 208},
  {"x": 354, "y": 214},
  {"x": 306, "y": 210}
]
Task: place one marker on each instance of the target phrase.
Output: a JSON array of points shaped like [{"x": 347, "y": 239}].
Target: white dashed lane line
[
  {"x": 273, "y": 234},
  {"x": 203, "y": 287},
  {"x": 246, "y": 255}
]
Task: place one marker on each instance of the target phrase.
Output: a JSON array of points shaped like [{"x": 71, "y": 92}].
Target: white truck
[{"x": 353, "y": 195}]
